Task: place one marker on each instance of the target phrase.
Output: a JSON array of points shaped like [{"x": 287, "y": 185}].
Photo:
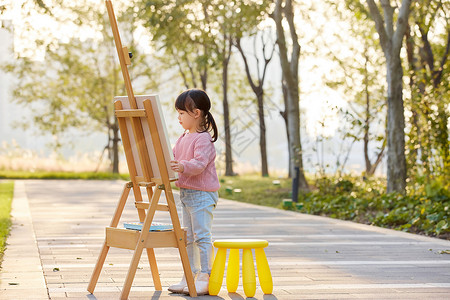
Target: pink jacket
[{"x": 196, "y": 153}]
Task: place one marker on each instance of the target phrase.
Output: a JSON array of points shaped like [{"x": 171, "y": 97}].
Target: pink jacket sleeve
[{"x": 204, "y": 153}]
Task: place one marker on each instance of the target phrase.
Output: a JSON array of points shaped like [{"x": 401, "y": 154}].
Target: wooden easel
[{"x": 148, "y": 155}]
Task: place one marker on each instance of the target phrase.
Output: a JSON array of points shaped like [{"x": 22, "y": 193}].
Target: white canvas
[{"x": 162, "y": 130}]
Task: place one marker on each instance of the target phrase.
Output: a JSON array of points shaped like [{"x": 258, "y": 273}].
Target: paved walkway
[{"x": 58, "y": 229}]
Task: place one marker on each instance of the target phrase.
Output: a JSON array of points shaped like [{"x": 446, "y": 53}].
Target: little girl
[{"x": 194, "y": 161}]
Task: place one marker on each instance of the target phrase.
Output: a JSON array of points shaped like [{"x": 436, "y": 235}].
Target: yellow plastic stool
[{"x": 248, "y": 269}]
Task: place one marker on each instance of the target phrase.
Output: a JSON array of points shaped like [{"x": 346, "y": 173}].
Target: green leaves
[
  {"x": 73, "y": 88},
  {"x": 351, "y": 198},
  {"x": 428, "y": 67},
  {"x": 194, "y": 34}
]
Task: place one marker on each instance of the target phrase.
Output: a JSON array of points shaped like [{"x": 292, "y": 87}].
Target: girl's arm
[{"x": 204, "y": 153}]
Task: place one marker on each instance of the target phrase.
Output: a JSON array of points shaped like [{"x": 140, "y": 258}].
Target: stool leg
[
  {"x": 233, "y": 271},
  {"x": 265, "y": 278},
  {"x": 248, "y": 273},
  {"x": 216, "y": 278}
]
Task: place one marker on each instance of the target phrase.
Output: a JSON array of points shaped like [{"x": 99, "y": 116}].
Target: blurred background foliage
[{"x": 196, "y": 45}]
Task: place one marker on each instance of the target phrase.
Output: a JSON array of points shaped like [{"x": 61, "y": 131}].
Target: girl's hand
[{"x": 176, "y": 166}]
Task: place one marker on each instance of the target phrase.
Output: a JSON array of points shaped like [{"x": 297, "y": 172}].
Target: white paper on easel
[{"x": 162, "y": 131}]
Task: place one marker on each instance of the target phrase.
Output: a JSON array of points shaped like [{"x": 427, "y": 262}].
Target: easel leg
[
  {"x": 187, "y": 270},
  {"x": 154, "y": 268},
  {"x": 105, "y": 248},
  {"x": 140, "y": 247},
  {"x": 98, "y": 268},
  {"x": 181, "y": 242},
  {"x": 151, "y": 254},
  {"x": 150, "y": 251},
  {"x": 132, "y": 271}
]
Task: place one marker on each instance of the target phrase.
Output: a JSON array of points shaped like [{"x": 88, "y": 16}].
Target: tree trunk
[
  {"x": 391, "y": 42},
  {"x": 415, "y": 127},
  {"x": 262, "y": 135},
  {"x": 259, "y": 92},
  {"x": 116, "y": 141},
  {"x": 396, "y": 162},
  {"x": 226, "y": 119},
  {"x": 204, "y": 72},
  {"x": 367, "y": 119},
  {"x": 284, "y": 115},
  {"x": 293, "y": 113},
  {"x": 226, "y": 112},
  {"x": 290, "y": 75},
  {"x": 377, "y": 161}
]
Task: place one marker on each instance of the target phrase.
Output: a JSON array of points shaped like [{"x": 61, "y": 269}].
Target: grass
[
  {"x": 267, "y": 191},
  {"x": 62, "y": 175},
  {"x": 6, "y": 195}
]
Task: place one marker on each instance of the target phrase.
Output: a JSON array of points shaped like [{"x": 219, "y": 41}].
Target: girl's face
[{"x": 189, "y": 120}]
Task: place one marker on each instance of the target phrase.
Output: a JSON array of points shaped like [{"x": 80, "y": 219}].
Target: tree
[
  {"x": 369, "y": 117},
  {"x": 197, "y": 41},
  {"x": 178, "y": 30},
  {"x": 39, "y": 4},
  {"x": 290, "y": 81},
  {"x": 258, "y": 88},
  {"x": 222, "y": 47},
  {"x": 360, "y": 78},
  {"x": 391, "y": 43},
  {"x": 75, "y": 85},
  {"x": 428, "y": 67},
  {"x": 202, "y": 32},
  {"x": 232, "y": 20}
]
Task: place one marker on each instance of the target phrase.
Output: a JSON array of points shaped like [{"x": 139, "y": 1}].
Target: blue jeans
[{"x": 198, "y": 209}]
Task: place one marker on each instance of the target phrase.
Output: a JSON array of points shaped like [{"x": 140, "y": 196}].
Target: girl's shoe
[
  {"x": 201, "y": 285},
  {"x": 179, "y": 287}
]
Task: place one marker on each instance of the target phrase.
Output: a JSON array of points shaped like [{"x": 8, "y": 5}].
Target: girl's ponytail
[{"x": 210, "y": 124}]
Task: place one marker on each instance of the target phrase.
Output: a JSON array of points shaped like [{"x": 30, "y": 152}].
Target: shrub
[{"x": 424, "y": 211}]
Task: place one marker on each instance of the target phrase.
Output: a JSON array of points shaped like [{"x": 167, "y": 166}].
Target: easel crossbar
[
  {"x": 130, "y": 113},
  {"x": 146, "y": 205},
  {"x": 128, "y": 239}
]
